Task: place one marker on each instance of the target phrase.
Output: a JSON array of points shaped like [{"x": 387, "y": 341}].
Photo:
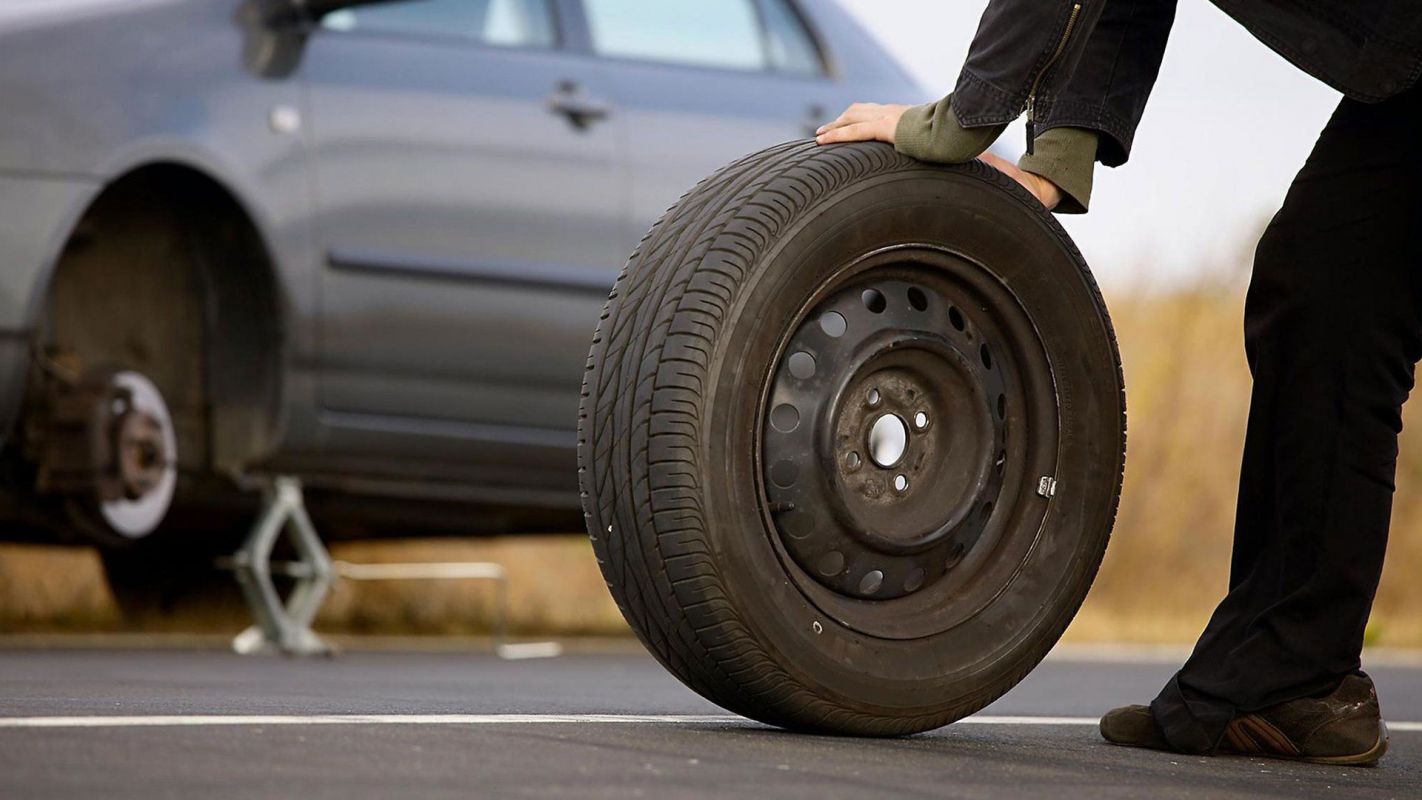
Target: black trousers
[{"x": 1333, "y": 331}]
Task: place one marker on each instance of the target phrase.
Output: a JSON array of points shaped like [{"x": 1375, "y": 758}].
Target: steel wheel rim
[{"x": 968, "y": 557}]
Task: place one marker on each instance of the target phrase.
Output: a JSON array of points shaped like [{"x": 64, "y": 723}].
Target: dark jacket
[{"x": 1091, "y": 63}]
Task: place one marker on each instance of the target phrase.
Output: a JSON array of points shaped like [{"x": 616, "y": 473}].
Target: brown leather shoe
[{"x": 1342, "y": 727}]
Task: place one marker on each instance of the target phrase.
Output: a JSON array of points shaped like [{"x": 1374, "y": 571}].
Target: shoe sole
[
  {"x": 1378, "y": 750},
  {"x": 1367, "y": 758}
]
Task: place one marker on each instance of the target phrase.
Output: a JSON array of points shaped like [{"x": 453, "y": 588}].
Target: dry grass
[
  {"x": 1188, "y": 394},
  {"x": 1166, "y": 567}
]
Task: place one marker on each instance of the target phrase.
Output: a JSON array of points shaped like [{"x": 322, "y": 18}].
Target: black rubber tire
[{"x": 669, "y": 406}]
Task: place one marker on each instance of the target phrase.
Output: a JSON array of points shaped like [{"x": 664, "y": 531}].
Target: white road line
[{"x": 205, "y": 720}]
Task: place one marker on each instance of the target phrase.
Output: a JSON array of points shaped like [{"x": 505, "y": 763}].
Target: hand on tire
[
  {"x": 862, "y": 122},
  {"x": 1044, "y": 190},
  {"x": 876, "y": 122}
]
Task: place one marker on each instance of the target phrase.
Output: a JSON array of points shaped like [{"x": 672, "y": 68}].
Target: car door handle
[{"x": 572, "y": 102}]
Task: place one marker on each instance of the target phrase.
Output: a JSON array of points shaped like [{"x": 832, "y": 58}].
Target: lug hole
[
  {"x": 920, "y": 420},
  {"x": 917, "y": 299},
  {"x": 853, "y": 460},
  {"x": 873, "y": 397},
  {"x": 874, "y": 300},
  {"x": 901, "y": 483}
]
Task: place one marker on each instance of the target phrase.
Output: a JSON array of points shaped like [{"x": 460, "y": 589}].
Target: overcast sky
[{"x": 1227, "y": 127}]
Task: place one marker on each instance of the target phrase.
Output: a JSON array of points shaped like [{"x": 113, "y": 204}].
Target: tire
[{"x": 690, "y": 519}]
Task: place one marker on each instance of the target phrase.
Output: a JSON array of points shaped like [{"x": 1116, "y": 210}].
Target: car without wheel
[{"x": 361, "y": 243}]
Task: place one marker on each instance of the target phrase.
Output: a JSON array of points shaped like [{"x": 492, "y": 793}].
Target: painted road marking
[{"x": 203, "y": 720}]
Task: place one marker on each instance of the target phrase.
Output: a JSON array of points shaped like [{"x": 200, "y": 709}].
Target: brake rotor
[{"x": 107, "y": 443}]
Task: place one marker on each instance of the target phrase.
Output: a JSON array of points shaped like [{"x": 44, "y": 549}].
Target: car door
[
  {"x": 470, "y": 220},
  {"x": 699, "y": 84}
]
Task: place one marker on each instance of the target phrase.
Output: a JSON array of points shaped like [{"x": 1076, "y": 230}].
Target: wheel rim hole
[
  {"x": 785, "y": 418},
  {"x": 901, "y": 483},
  {"x": 784, "y": 474},
  {"x": 920, "y": 420},
  {"x": 917, "y": 299},
  {"x": 802, "y": 365},
  {"x": 871, "y": 582},
  {"x": 874, "y": 300},
  {"x": 1002, "y": 406},
  {"x": 853, "y": 460},
  {"x": 955, "y": 318},
  {"x": 873, "y": 397},
  {"x": 986, "y": 355},
  {"x": 833, "y": 324},
  {"x": 888, "y": 439}
]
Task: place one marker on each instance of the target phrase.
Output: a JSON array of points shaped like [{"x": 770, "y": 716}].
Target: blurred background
[{"x": 374, "y": 134}]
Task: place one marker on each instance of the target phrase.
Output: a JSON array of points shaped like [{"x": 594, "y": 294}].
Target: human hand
[
  {"x": 1044, "y": 190},
  {"x": 862, "y": 122}
]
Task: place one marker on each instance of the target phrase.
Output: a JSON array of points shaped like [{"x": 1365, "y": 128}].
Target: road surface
[{"x": 149, "y": 724}]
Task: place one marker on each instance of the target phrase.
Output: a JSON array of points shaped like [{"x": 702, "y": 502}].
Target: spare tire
[{"x": 851, "y": 438}]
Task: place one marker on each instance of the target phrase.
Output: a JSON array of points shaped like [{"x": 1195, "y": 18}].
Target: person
[{"x": 1333, "y": 331}]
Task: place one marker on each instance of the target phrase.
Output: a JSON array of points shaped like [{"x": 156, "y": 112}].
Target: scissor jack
[{"x": 284, "y": 626}]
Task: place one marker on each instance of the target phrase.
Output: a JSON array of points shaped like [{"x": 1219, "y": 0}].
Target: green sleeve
[
  {"x": 1066, "y": 157},
  {"x": 930, "y": 132}
]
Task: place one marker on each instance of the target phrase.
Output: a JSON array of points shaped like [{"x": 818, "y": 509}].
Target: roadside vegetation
[{"x": 1167, "y": 565}]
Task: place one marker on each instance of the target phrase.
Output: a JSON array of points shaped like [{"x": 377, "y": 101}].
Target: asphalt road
[{"x": 584, "y": 726}]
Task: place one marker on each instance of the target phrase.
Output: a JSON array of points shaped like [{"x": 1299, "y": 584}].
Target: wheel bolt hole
[
  {"x": 853, "y": 460},
  {"x": 920, "y": 420},
  {"x": 874, "y": 300},
  {"x": 955, "y": 317},
  {"x": 917, "y": 299},
  {"x": 873, "y": 397},
  {"x": 901, "y": 483},
  {"x": 888, "y": 439}
]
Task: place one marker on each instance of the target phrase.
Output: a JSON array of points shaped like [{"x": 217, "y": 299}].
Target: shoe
[
  {"x": 1341, "y": 727},
  {"x": 1133, "y": 726}
]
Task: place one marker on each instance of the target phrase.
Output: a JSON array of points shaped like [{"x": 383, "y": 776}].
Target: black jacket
[{"x": 1092, "y": 63}]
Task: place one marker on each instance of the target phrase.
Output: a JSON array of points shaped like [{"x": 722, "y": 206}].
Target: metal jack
[{"x": 285, "y": 627}]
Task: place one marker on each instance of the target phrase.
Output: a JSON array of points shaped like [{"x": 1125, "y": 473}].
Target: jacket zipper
[{"x": 1042, "y": 73}]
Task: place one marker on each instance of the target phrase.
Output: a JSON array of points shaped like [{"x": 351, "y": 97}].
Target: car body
[{"x": 369, "y": 250}]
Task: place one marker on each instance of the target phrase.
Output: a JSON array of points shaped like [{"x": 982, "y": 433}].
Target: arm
[{"x": 1085, "y": 105}]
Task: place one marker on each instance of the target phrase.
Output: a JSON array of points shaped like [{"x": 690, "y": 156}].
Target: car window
[
  {"x": 792, "y": 49},
  {"x": 712, "y": 33},
  {"x": 513, "y": 23}
]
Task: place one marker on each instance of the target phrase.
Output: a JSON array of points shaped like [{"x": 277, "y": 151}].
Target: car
[{"x": 360, "y": 243}]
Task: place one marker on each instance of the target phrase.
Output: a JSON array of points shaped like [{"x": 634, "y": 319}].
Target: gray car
[{"x": 365, "y": 244}]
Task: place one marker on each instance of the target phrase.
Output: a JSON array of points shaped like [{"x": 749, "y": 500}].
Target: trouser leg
[{"x": 1333, "y": 330}]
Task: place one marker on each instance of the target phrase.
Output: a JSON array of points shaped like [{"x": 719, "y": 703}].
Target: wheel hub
[
  {"x": 883, "y": 447},
  {"x": 107, "y": 442}
]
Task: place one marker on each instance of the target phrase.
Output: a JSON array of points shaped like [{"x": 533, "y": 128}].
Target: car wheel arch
[{"x": 239, "y": 299}]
